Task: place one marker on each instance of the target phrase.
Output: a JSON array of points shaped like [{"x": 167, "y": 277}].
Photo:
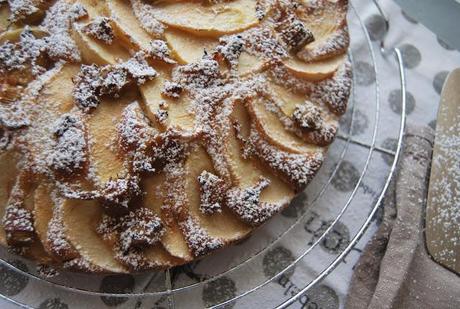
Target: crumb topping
[
  {"x": 246, "y": 203},
  {"x": 198, "y": 239},
  {"x": 101, "y": 29},
  {"x": 145, "y": 14},
  {"x": 93, "y": 82},
  {"x": 159, "y": 50},
  {"x": 307, "y": 116},
  {"x": 69, "y": 151},
  {"x": 212, "y": 191},
  {"x": 18, "y": 224},
  {"x": 20, "y": 9}
]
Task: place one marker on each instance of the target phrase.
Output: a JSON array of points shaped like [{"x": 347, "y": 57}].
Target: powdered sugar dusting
[{"x": 198, "y": 239}]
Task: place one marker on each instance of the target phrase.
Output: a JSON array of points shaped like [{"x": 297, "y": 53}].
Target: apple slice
[
  {"x": 247, "y": 172},
  {"x": 285, "y": 98},
  {"x": 159, "y": 257},
  {"x": 172, "y": 240},
  {"x": 104, "y": 155},
  {"x": 273, "y": 130},
  {"x": 127, "y": 26},
  {"x": 179, "y": 115},
  {"x": 186, "y": 47},
  {"x": 287, "y": 101},
  {"x": 314, "y": 71},
  {"x": 8, "y": 161},
  {"x": 15, "y": 34},
  {"x": 96, "y": 52},
  {"x": 208, "y": 20},
  {"x": 94, "y": 8},
  {"x": 249, "y": 176},
  {"x": 80, "y": 219},
  {"x": 328, "y": 24},
  {"x": 43, "y": 212},
  {"x": 4, "y": 14},
  {"x": 248, "y": 64},
  {"x": 54, "y": 99},
  {"x": 224, "y": 225}
]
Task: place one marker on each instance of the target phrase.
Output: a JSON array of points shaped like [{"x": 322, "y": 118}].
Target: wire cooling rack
[{"x": 350, "y": 186}]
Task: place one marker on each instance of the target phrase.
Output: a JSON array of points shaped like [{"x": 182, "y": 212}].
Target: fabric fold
[{"x": 395, "y": 270}]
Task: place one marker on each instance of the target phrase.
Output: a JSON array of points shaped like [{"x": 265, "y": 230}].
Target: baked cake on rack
[{"x": 141, "y": 134}]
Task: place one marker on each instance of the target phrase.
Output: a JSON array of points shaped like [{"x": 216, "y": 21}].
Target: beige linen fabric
[{"x": 395, "y": 270}]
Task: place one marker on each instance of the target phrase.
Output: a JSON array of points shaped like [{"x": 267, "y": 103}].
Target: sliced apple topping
[
  {"x": 334, "y": 92},
  {"x": 221, "y": 225},
  {"x": 314, "y": 71},
  {"x": 8, "y": 161},
  {"x": 135, "y": 238},
  {"x": 172, "y": 239},
  {"x": 4, "y": 14},
  {"x": 127, "y": 26},
  {"x": 327, "y": 21},
  {"x": 94, "y": 51},
  {"x": 247, "y": 205},
  {"x": 188, "y": 48},
  {"x": 296, "y": 168},
  {"x": 14, "y": 35},
  {"x": 245, "y": 171},
  {"x": 251, "y": 198},
  {"x": 332, "y": 45},
  {"x": 18, "y": 217},
  {"x": 309, "y": 121},
  {"x": 93, "y": 8},
  {"x": 80, "y": 219},
  {"x": 137, "y": 138},
  {"x": 208, "y": 20},
  {"x": 145, "y": 14},
  {"x": 48, "y": 224},
  {"x": 104, "y": 154},
  {"x": 269, "y": 124},
  {"x": 45, "y": 108},
  {"x": 168, "y": 112}
]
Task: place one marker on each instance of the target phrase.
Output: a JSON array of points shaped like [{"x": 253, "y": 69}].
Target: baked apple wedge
[
  {"x": 273, "y": 130},
  {"x": 8, "y": 162},
  {"x": 221, "y": 223},
  {"x": 127, "y": 26},
  {"x": 172, "y": 240},
  {"x": 327, "y": 21},
  {"x": 107, "y": 159},
  {"x": 207, "y": 20},
  {"x": 80, "y": 220},
  {"x": 95, "y": 51},
  {"x": 314, "y": 71},
  {"x": 187, "y": 47},
  {"x": 168, "y": 112}
]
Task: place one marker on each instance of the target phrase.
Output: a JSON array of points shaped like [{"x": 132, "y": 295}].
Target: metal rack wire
[{"x": 348, "y": 139}]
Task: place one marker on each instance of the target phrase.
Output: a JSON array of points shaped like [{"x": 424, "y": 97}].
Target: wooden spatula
[{"x": 443, "y": 205}]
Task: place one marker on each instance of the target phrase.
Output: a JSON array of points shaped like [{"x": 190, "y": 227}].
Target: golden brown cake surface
[{"x": 143, "y": 134}]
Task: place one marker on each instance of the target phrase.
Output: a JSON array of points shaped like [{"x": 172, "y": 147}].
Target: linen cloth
[
  {"x": 428, "y": 60},
  {"x": 395, "y": 270}
]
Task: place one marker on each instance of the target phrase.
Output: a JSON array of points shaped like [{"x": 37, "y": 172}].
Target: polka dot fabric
[{"x": 428, "y": 60}]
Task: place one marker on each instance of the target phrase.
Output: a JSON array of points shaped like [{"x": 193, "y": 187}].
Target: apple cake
[{"x": 141, "y": 134}]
